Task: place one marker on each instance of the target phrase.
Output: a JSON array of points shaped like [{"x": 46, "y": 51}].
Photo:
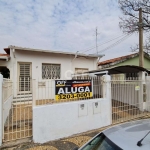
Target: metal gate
[
  {"x": 17, "y": 112},
  {"x": 128, "y": 99}
]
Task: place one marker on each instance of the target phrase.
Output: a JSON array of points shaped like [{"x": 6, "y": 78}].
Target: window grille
[
  {"x": 80, "y": 70},
  {"x": 50, "y": 71},
  {"x": 24, "y": 77},
  {"x": 132, "y": 76}
]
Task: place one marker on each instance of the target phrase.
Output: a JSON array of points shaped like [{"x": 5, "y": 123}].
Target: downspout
[
  {"x": 74, "y": 59},
  {"x": 75, "y": 55}
]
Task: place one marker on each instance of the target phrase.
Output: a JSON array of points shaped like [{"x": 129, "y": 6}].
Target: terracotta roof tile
[
  {"x": 116, "y": 59},
  {"x": 4, "y": 55}
]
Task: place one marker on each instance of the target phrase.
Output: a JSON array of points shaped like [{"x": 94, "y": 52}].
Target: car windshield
[{"x": 101, "y": 142}]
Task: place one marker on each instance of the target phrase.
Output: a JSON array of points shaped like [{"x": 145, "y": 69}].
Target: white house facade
[{"x": 26, "y": 64}]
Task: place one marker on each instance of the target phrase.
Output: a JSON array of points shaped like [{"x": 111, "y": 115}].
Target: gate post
[
  {"x": 142, "y": 81},
  {"x": 147, "y": 102},
  {"x": 107, "y": 87},
  {"x": 1, "y": 109},
  {"x": 34, "y": 92},
  {"x": 107, "y": 92}
]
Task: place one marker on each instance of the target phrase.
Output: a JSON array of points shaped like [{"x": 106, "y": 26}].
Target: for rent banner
[{"x": 73, "y": 89}]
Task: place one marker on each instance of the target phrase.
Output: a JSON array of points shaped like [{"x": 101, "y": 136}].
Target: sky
[{"x": 64, "y": 25}]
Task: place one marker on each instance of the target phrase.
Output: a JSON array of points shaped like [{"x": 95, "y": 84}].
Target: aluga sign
[{"x": 73, "y": 89}]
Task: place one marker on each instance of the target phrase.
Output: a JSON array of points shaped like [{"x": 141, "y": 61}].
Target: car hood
[{"x": 127, "y": 135}]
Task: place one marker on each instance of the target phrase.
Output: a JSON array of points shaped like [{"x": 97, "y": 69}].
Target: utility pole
[
  {"x": 96, "y": 41},
  {"x": 141, "y": 54}
]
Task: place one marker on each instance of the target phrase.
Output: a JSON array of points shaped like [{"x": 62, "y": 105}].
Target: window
[
  {"x": 24, "y": 77},
  {"x": 132, "y": 76},
  {"x": 51, "y": 71},
  {"x": 80, "y": 70}
]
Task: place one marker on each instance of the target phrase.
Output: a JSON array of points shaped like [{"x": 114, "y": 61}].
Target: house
[
  {"x": 128, "y": 60},
  {"x": 22, "y": 65},
  {"x": 132, "y": 59}
]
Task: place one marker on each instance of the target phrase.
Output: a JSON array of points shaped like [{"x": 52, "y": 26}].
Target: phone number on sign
[{"x": 74, "y": 96}]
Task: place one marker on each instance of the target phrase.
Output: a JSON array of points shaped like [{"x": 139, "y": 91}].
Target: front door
[{"x": 24, "y": 77}]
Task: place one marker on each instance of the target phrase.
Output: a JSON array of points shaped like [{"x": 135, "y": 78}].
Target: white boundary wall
[
  {"x": 5, "y": 104},
  {"x": 146, "y": 104},
  {"x": 1, "y": 110},
  {"x": 65, "y": 119},
  {"x": 51, "y": 122},
  {"x": 6, "y": 108}
]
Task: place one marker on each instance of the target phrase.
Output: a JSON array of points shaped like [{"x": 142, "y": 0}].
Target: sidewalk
[{"x": 62, "y": 144}]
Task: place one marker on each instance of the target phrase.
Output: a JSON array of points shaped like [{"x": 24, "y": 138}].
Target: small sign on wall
[
  {"x": 96, "y": 107},
  {"x": 41, "y": 84},
  {"x": 137, "y": 88},
  {"x": 83, "y": 109}
]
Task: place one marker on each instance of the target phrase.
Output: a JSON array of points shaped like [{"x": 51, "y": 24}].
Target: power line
[
  {"x": 102, "y": 44},
  {"x": 116, "y": 43}
]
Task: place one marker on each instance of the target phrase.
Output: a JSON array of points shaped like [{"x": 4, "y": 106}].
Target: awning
[{"x": 121, "y": 70}]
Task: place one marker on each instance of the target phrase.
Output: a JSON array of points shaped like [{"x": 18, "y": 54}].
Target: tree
[
  {"x": 129, "y": 23},
  {"x": 130, "y": 9}
]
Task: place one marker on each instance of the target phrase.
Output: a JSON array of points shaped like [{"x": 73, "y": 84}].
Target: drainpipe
[
  {"x": 75, "y": 55},
  {"x": 74, "y": 59}
]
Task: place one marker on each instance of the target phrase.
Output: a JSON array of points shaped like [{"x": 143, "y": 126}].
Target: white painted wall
[
  {"x": 56, "y": 121},
  {"x": 6, "y": 108},
  {"x": 147, "y": 103},
  {"x": 68, "y": 64},
  {"x": 45, "y": 92},
  {"x": 1, "y": 110}
]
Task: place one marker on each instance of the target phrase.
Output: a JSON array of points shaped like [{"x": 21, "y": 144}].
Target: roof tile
[
  {"x": 4, "y": 55},
  {"x": 116, "y": 59}
]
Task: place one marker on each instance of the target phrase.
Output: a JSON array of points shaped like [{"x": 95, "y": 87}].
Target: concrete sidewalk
[{"x": 62, "y": 144}]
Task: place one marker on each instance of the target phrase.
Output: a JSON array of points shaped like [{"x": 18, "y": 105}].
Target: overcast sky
[{"x": 63, "y": 25}]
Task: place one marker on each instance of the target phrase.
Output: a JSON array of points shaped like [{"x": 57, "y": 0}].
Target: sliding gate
[{"x": 130, "y": 99}]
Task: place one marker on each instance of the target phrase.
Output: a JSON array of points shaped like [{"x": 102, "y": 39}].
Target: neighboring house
[
  {"x": 25, "y": 64},
  {"x": 4, "y": 58},
  {"x": 132, "y": 59}
]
